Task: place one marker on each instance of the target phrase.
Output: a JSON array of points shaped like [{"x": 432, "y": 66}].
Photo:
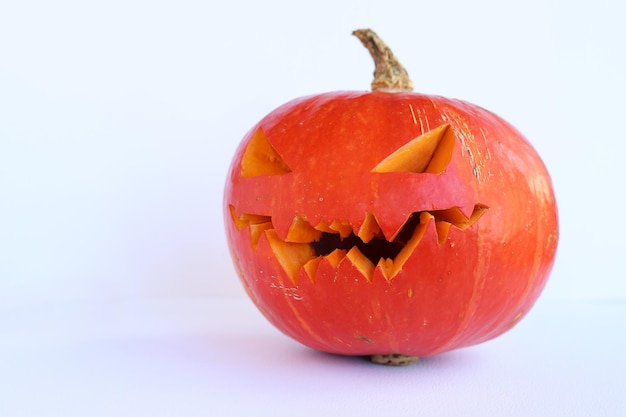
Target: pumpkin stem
[{"x": 389, "y": 74}]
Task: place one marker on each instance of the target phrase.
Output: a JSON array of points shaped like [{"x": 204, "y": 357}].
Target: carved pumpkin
[{"x": 389, "y": 223}]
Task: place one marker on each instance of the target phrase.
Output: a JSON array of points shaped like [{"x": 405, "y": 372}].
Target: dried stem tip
[
  {"x": 394, "y": 359},
  {"x": 389, "y": 74}
]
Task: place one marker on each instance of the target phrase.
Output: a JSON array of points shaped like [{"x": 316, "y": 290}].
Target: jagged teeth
[
  {"x": 256, "y": 231},
  {"x": 246, "y": 219},
  {"x": 295, "y": 252},
  {"x": 446, "y": 218},
  {"x": 457, "y": 218},
  {"x": 301, "y": 231},
  {"x": 291, "y": 256},
  {"x": 256, "y": 222},
  {"x": 341, "y": 227},
  {"x": 361, "y": 262},
  {"x": 369, "y": 229},
  {"x": 294, "y": 256}
]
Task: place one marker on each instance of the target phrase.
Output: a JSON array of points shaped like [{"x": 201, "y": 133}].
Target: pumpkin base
[{"x": 393, "y": 359}]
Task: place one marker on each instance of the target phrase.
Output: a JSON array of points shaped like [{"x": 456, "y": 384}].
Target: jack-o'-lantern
[{"x": 389, "y": 223}]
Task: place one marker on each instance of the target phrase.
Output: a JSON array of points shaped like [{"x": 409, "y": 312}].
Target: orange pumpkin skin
[{"x": 455, "y": 289}]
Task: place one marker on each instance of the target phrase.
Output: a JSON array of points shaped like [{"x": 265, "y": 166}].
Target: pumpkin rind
[{"x": 465, "y": 288}]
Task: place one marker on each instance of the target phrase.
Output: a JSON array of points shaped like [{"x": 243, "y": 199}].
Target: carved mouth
[{"x": 306, "y": 245}]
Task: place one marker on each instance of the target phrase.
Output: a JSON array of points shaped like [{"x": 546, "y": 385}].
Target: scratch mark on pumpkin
[
  {"x": 413, "y": 115},
  {"x": 483, "y": 133},
  {"x": 476, "y": 172},
  {"x": 421, "y": 125},
  {"x": 303, "y": 323},
  {"x": 462, "y": 131}
]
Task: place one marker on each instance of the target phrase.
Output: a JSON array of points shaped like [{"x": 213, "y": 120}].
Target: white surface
[{"x": 219, "y": 357}]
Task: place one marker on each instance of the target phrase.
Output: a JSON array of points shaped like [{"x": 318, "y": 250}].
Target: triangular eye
[
  {"x": 260, "y": 158},
  {"x": 430, "y": 152}
]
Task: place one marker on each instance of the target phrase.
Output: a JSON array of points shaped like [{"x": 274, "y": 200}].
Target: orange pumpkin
[{"x": 389, "y": 223}]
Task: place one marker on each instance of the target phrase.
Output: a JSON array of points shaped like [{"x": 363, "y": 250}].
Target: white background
[{"x": 118, "y": 120}]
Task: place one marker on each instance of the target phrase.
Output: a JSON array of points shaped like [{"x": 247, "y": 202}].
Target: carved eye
[
  {"x": 430, "y": 153},
  {"x": 261, "y": 158}
]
